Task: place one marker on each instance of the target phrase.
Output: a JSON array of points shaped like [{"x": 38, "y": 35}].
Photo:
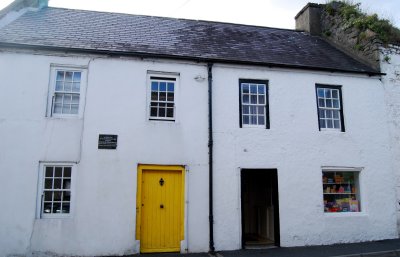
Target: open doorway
[{"x": 260, "y": 208}]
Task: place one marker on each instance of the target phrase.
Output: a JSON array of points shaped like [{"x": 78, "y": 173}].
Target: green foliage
[
  {"x": 354, "y": 17},
  {"x": 327, "y": 33},
  {"x": 387, "y": 58}
]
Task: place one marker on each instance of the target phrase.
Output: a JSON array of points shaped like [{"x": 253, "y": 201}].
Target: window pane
[
  {"x": 253, "y": 120},
  {"x": 68, "y": 86},
  {"x": 321, "y": 113},
  {"x": 154, "y": 96},
  {"x": 328, "y": 103},
  {"x": 59, "y": 86},
  {"x": 170, "y": 112},
  {"x": 261, "y": 99},
  {"x": 57, "y": 183},
  {"x": 163, "y": 86},
  {"x": 66, "y": 109},
  {"x": 253, "y": 109},
  {"x": 261, "y": 120},
  {"x": 68, "y": 76},
  {"x": 246, "y": 109},
  {"x": 170, "y": 97},
  {"x": 321, "y": 102},
  {"x": 328, "y": 93},
  {"x": 76, "y": 87},
  {"x": 153, "y": 112},
  {"x": 58, "y": 172},
  {"x": 261, "y": 90},
  {"x": 328, "y": 113},
  {"x": 154, "y": 86},
  {"x": 67, "y": 99},
  {"x": 335, "y": 114},
  {"x": 56, "y": 208},
  {"x": 329, "y": 124},
  {"x": 245, "y": 88},
  {"x": 66, "y": 183},
  {"x": 336, "y": 103},
  {"x": 67, "y": 172},
  {"x": 335, "y": 93},
  {"x": 77, "y": 76},
  {"x": 48, "y": 196},
  {"x": 336, "y": 124},
  {"x": 48, "y": 183},
  {"x": 47, "y": 208},
  {"x": 322, "y": 123},
  {"x": 49, "y": 172},
  {"x": 65, "y": 208},
  {"x": 75, "y": 99},
  {"x": 246, "y": 120},
  {"x": 74, "y": 109},
  {"x": 57, "y": 196},
  {"x": 253, "y": 99},
  {"x": 245, "y": 99},
  {"x": 57, "y": 108},
  {"x": 170, "y": 87},
  {"x": 261, "y": 110},
  {"x": 60, "y": 76},
  {"x": 161, "y": 112},
  {"x": 66, "y": 196},
  {"x": 163, "y": 96},
  {"x": 58, "y": 98},
  {"x": 253, "y": 89},
  {"x": 321, "y": 92}
]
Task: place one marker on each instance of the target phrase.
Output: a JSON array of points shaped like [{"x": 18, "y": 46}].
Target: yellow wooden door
[{"x": 161, "y": 211}]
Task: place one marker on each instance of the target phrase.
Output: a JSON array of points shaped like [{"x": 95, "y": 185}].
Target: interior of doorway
[{"x": 260, "y": 208}]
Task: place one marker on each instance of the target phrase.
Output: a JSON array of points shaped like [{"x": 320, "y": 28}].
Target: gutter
[
  {"x": 210, "y": 159},
  {"x": 187, "y": 58}
]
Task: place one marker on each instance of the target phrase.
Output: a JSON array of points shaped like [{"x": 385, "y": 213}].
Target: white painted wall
[
  {"x": 297, "y": 149},
  {"x": 103, "y": 221},
  {"x": 390, "y": 64}
]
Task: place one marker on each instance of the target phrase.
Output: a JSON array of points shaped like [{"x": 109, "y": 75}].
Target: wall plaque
[{"x": 108, "y": 141}]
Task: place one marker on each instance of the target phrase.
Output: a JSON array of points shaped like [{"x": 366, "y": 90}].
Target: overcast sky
[{"x": 269, "y": 13}]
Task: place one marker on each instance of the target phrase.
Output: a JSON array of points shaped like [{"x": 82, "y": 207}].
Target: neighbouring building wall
[
  {"x": 104, "y": 195},
  {"x": 297, "y": 149},
  {"x": 390, "y": 64}
]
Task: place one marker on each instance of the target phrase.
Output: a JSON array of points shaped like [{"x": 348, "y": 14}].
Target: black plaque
[{"x": 108, "y": 141}]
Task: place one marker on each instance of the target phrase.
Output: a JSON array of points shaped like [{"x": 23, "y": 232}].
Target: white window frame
[
  {"x": 40, "y": 196},
  {"x": 354, "y": 170},
  {"x": 265, "y": 106},
  {"x": 167, "y": 75},
  {"x": 333, "y": 109},
  {"x": 54, "y": 68}
]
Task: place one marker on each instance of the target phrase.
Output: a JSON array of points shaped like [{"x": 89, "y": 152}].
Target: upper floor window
[
  {"x": 330, "y": 109},
  {"x": 66, "y": 92},
  {"x": 162, "y": 97},
  {"x": 254, "y": 103}
]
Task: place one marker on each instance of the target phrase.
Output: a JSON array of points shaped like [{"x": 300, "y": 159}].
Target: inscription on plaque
[{"x": 108, "y": 141}]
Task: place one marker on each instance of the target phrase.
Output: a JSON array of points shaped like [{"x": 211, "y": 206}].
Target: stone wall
[{"x": 362, "y": 45}]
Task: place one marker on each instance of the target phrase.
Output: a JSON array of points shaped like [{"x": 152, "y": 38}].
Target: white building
[{"x": 106, "y": 137}]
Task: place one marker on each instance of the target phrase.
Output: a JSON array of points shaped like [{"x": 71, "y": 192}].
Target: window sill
[
  {"x": 254, "y": 126},
  {"x": 345, "y": 214}
]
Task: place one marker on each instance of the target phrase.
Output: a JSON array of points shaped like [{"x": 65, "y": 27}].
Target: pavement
[{"x": 384, "y": 248}]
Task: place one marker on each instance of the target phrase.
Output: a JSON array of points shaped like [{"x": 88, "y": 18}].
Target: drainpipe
[{"x": 210, "y": 158}]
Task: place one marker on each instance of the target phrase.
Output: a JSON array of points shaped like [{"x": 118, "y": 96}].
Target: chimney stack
[{"x": 309, "y": 19}]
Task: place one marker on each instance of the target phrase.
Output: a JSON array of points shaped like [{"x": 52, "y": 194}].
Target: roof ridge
[{"x": 175, "y": 18}]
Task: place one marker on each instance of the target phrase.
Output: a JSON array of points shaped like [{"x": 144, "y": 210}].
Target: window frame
[
  {"x": 357, "y": 183},
  {"x": 54, "y": 68},
  {"x": 339, "y": 88},
  {"x": 41, "y": 190},
  {"x": 266, "y": 105},
  {"x": 167, "y": 76}
]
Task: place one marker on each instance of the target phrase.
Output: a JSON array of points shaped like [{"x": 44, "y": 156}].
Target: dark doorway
[{"x": 260, "y": 208}]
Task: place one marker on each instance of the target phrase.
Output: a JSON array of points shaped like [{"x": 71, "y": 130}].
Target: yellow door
[{"x": 161, "y": 209}]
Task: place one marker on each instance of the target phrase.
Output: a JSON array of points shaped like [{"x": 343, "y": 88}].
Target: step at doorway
[{"x": 260, "y": 208}]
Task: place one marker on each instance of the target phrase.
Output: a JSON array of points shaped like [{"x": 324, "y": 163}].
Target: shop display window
[{"x": 341, "y": 191}]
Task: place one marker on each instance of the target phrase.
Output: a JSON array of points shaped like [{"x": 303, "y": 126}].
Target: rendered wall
[
  {"x": 390, "y": 64},
  {"x": 104, "y": 197},
  {"x": 297, "y": 149}
]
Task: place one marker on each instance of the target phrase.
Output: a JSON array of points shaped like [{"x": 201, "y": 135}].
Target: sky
[{"x": 268, "y": 13}]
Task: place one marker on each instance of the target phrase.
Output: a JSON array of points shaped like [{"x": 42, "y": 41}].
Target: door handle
[{"x": 162, "y": 206}]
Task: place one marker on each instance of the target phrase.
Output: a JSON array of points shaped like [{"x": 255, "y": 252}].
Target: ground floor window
[
  {"x": 341, "y": 191},
  {"x": 55, "y": 190}
]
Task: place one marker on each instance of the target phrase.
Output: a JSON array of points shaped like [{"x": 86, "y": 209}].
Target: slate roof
[{"x": 175, "y": 38}]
